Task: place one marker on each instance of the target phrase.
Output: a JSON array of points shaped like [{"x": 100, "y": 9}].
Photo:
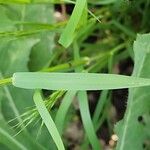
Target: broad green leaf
[
  {"x": 43, "y": 16},
  {"x": 17, "y": 53},
  {"x": 48, "y": 121},
  {"x": 76, "y": 81},
  {"x": 131, "y": 130},
  {"x": 43, "y": 50},
  {"x": 18, "y": 50},
  {"x": 21, "y": 19},
  {"x": 5, "y": 22}
]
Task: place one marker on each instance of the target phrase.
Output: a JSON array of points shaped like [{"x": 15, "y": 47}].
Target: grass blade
[
  {"x": 63, "y": 109},
  {"x": 48, "y": 120},
  {"x": 87, "y": 122},
  {"x": 84, "y": 108},
  {"x": 68, "y": 33},
  {"x": 76, "y": 81},
  {"x": 103, "y": 2},
  {"x": 99, "y": 107}
]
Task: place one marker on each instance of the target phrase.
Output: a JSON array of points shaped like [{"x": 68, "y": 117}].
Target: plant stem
[
  {"x": 5, "y": 81},
  {"x": 68, "y": 66}
]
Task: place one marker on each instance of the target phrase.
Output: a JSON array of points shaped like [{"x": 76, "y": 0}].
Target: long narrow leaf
[
  {"x": 76, "y": 81},
  {"x": 68, "y": 34},
  {"x": 48, "y": 120},
  {"x": 84, "y": 108},
  {"x": 85, "y": 114},
  {"x": 63, "y": 109}
]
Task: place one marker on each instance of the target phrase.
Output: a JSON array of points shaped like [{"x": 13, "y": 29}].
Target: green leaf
[
  {"x": 34, "y": 1},
  {"x": 14, "y": 56},
  {"x": 7, "y": 138},
  {"x": 63, "y": 109},
  {"x": 48, "y": 120},
  {"x": 17, "y": 52},
  {"x": 6, "y": 24},
  {"x": 15, "y": 1},
  {"x": 43, "y": 50},
  {"x": 86, "y": 117},
  {"x": 9, "y": 141},
  {"x": 76, "y": 81},
  {"x": 131, "y": 130},
  {"x": 84, "y": 107},
  {"x": 69, "y": 32},
  {"x": 23, "y": 23},
  {"x": 99, "y": 108},
  {"x": 21, "y": 141},
  {"x": 102, "y": 2},
  {"x": 15, "y": 100}
]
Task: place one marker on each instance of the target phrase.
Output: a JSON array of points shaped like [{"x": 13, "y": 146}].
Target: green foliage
[
  {"x": 8, "y": 140},
  {"x": 15, "y": 55},
  {"x": 84, "y": 107},
  {"x": 47, "y": 120},
  {"x": 69, "y": 33},
  {"x": 76, "y": 81},
  {"x": 134, "y": 124},
  {"x": 94, "y": 39},
  {"x": 63, "y": 109}
]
